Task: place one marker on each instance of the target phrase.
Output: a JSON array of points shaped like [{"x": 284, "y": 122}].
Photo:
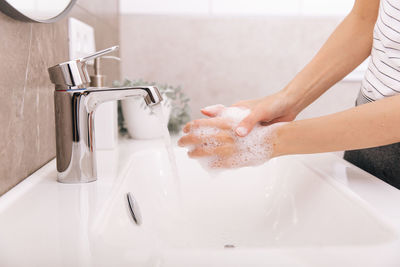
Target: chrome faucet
[{"x": 75, "y": 105}]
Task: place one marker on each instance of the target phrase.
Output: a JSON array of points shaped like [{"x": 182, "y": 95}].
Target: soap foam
[
  {"x": 251, "y": 150},
  {"x": 235, "y": 114},
  {"x": 206, "y": 134}
]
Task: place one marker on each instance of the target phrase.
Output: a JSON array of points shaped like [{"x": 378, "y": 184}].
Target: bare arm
[
  {"x": 368, "y": 125},
  {"x": 348, "y": 46},
  {"x": 345, "y": 49}
]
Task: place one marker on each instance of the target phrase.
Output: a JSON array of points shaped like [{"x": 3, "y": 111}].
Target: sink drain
[
  {"x": 229, "y": 246},
  {"x": 134, "y": 209}
]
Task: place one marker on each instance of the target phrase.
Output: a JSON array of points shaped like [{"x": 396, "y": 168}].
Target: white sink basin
[{"x": 284, "y": 212}]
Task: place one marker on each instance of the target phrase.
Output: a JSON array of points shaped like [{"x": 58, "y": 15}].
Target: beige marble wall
[
  {"x": 26, "y": 95},
  {"x": 224, "y": 59}
]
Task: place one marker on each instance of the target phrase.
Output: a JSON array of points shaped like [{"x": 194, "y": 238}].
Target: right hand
[
  {"x": 214, "y": 140},
  {"x": 278, "y": 107}
]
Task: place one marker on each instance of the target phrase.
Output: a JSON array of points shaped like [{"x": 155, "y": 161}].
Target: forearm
[
  {"x": 368, "y": 125},
  {"x": 345, "y": 49}
]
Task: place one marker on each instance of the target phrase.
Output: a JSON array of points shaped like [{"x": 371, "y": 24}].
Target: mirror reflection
[{"x": 40, "y": 9}]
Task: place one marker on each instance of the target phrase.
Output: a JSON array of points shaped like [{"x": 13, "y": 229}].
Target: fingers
[
  {"x": 217, "y": 139},
  {"x": 204, "y": 151},
  {"x": 220, "y": 123},
  {"x": 247, "y": 124},
  {"x": 212, "y": 111},
  {"x": 220, "y": 144},
  {"x": 188, "y": 140}
]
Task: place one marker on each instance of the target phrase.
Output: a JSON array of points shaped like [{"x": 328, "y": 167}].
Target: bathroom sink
[{"x": 295, "y": 210}]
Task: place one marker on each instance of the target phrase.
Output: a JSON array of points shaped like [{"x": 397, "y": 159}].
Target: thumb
[
  {"x": 212, "y": 111},
  {"x": 246, "y": 125}
]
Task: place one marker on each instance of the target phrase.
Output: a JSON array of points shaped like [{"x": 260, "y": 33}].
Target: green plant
[{"x": 179, "y": 102}]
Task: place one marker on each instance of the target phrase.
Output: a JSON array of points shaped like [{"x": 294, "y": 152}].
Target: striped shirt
[{"x": 382, "y": 78}]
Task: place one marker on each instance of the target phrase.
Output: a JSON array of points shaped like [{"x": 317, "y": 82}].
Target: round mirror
[{"x": 45, "y": 11}]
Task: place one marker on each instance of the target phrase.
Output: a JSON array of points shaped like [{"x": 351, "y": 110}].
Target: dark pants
[{"x": 382, "y": 162}]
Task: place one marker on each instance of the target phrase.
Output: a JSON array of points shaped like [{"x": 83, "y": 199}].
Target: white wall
[
  {"x": 238, "y": 7},
  {"x": 222, "y": 51},
  {"x": 223, "y": 59},
  {"x": 307, "y": 8}
]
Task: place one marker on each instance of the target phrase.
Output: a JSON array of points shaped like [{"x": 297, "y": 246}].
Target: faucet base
[
  {"x": 75, "y": 181},
  {"x": 75, "y": 135}
]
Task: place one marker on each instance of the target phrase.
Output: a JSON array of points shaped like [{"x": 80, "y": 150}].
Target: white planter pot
[{"x": 141, "y": 122}]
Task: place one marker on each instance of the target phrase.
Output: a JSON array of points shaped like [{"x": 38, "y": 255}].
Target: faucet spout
[
  {"x": 96, "y": 96},
  {"x": 75, "y": 134}
]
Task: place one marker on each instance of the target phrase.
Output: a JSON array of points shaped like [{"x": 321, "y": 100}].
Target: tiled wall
[
  {"x": 26, "y": 95},
  {"x": 223, "y": 59}
]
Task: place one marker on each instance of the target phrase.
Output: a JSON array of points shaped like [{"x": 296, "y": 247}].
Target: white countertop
[{"x": 45, "y": 223}]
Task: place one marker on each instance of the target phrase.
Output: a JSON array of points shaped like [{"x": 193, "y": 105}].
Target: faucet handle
[
  {"x": 97, "y": 79},
  {"x": 99, "y": 53},
  {"x": 73, "y": 74}
]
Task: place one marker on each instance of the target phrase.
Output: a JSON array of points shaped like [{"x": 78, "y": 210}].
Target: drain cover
[
  {"x": 229, "y": 246},
  {"x": 134, "y": 209}
]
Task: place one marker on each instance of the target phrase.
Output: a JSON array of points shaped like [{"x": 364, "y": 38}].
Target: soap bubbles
[{"x": 251, "y": 150}]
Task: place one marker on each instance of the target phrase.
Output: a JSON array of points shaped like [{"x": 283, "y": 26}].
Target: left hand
[
  {"x": 218, "y": 143},
  {"x": 216, "y": 140}
]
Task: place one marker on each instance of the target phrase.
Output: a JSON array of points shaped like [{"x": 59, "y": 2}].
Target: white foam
[
  {"x": 235, "y": 114},
  {"x": 253, "y": 149}
]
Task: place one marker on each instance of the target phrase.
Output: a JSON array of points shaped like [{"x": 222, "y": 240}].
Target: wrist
[
  {"x": 277, "y": 141},
  {"x": 292, "y": 98},
  {"x": 299, "y": 94}
]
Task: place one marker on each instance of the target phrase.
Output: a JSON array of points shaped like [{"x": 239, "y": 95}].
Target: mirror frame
[{"x": 11, "y": 11}]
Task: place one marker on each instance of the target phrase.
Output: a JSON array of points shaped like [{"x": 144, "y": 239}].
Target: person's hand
[
  {"x": 212, "y": 137},
  {"x": 215, "y": 140},
  {"x": 278, "y": 107}
]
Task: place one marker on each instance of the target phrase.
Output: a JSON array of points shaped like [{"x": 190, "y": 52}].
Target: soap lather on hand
[{"x": 216, "y": 141}]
